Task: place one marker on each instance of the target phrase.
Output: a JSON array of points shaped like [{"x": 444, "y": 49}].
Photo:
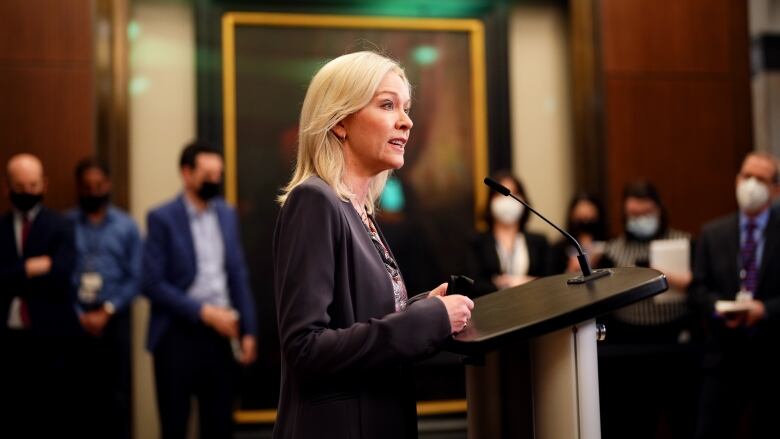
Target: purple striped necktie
[{"x": 748, "y": 256}]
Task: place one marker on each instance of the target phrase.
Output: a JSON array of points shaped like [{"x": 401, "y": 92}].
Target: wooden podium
[{"x": 557, "y": 322}]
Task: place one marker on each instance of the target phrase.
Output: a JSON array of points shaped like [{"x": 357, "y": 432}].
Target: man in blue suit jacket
[{"x": 203, "y": 314}]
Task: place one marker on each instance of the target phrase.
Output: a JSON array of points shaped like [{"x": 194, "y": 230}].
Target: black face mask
[
  {"x": 208, "y": 190},
  {"x": 579, "y": 228},
  {"x": 25, "y": 201},
  {"x": 93, "y": 203}
]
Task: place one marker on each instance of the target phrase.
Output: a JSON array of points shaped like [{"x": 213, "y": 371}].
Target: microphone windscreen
[{"x": 496, "y": 186}]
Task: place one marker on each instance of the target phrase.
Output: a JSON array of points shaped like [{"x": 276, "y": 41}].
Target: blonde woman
[{"x": 347, "y": 327}]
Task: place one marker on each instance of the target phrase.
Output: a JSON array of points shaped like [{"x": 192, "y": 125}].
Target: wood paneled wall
[
  {"x": 47, "y": 88},
  {"x": 677, "y": 102}
]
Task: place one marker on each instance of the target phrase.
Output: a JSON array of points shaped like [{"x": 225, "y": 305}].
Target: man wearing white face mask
[{"x": 737, "y": 259}]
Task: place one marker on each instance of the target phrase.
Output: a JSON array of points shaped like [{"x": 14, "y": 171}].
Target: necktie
[
  {"x": 748, "y": 257},
  {"x": 23, "y": 311}
]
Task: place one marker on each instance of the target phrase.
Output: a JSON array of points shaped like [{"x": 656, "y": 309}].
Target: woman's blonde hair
[{"x": 341, "y": 87}]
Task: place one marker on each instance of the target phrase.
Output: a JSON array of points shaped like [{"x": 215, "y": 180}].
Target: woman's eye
[
  {"x": 387, "y": 105},
  {"x": 407, "y": 111}
]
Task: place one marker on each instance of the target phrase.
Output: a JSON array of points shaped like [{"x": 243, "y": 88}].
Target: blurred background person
[
  {"x": 106, "y": 278},
  {"x": 38, "y": 320},
  {"x": 648, "y": 343},
  {"x": 506, "y": 254},
  {"x": 348, "y": 331},
  {"x": 203, "y": 312},
  {"x": 586, "y": 222},
  {"x": 737, "y": 258}
]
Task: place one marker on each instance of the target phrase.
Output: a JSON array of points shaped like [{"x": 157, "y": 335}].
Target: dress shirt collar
[
  {"x": 192, "y": 209},
  {"x": 83, "y": 218},
  {"x": 761, "y": 220},
  {"x": 31, "y": 214}
]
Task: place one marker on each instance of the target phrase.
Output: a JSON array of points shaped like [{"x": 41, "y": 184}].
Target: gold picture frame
[{"x": 474, "y": 28}]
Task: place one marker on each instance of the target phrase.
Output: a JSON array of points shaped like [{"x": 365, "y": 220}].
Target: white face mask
[
  {"x": 643, "y": 227},
  {"x": 506, "y": 210},
  {"x": 752, "y": 195}
]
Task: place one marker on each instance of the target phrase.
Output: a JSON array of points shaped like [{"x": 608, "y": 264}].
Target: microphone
[{"x": 587, "y": 272}]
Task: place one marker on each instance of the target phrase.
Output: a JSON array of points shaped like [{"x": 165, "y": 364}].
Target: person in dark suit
[
  {"x": 507, "y": 254},
  {"x": 737, "y": 258},
  {"x": 348, "y": 329},
  {"x": 203, "y": 313},
  {"x": 38, "y": 323}
]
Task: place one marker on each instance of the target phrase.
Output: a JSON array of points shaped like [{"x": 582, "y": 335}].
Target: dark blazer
[
  {"x": 169, "y": 268},
  {"x": 716, "y": 270},
  {"x": 49, "y": 298},
  {"x": 483, "y": 262},
  {"x": 346, "y": 353}
]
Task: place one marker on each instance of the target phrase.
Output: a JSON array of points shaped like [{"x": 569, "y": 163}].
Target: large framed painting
[{"x": 430, "y": 207}]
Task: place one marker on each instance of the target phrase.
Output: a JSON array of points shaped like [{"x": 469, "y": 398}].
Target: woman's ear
[{"x": 340, "y": 131}]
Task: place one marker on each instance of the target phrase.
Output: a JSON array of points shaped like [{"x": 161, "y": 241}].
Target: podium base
[{"x": 594, "y": 275}]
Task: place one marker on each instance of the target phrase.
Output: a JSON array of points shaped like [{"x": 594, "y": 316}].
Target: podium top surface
[{"x": 549, "y": 304}]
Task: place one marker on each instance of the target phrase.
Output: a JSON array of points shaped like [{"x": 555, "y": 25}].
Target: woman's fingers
[
  {"x": 459, "y": 310},
  {"x": 441, "y": 290}
]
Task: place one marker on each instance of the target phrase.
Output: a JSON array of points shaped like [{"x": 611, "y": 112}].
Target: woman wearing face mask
[
  {"x": 587, "y": 224},
  {"x": 507, "y": 255},
  {"x": 648, "y": 343}
]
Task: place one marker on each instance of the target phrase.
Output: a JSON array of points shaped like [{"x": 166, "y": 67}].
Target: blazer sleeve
[
  {"x": 155, "y": 261},
  {"x": 12, "y": 271},
  {"x": 305, "y": 246},
  {"x": 702, "y": 291},
  {"x": 538, "y": 254},
  {"x": 479, "y": 268},
  {"x": 239, "y": 280}
]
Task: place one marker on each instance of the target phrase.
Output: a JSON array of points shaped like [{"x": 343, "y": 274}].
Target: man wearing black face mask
[
  {"x": 37, "y": 322},
  {"x": 106, "y": 278},
  {"x": 203, "y": 314}
]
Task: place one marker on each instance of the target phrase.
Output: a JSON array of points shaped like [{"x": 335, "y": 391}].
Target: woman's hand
[
  {"x": 459, "y": 309},
  {"x": 441, "y": 290}
]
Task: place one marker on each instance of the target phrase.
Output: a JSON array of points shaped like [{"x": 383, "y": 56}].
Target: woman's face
[
  {"x": 584, "y": 212},
  {"x": 377, "y": 134}
]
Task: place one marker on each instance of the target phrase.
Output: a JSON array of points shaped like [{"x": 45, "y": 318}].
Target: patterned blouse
[
  {"x": 652, "y": 311},
  {"x": 399, "y": 288}
]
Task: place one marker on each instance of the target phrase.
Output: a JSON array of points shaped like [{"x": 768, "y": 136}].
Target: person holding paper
[
  {"x": 648, "y": 342},
  {"x": 736, "y": 284}
]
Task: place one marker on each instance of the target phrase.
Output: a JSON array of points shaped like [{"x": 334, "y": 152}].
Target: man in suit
[
  {"x": 203, "y": 313},
  {"x": 37, "y": 322},
  {"x": 736, "y": 259}
]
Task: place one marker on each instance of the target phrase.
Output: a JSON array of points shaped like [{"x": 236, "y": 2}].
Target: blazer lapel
[
  {"x": 731, "y": 252},
  {"x": 182, "y": 221},
  {"x": 771, "y": 238},
  {"x": 32, "y": 246},
  {"x": 9, "y": 237},
  {"x": 227, "y": 231}
]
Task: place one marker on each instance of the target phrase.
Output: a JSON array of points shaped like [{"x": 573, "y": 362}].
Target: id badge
[{"x": 90, "y": 286}]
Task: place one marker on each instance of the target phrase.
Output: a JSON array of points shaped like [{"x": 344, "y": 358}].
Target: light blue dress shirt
[
  {"x": 112, "y": 248},
  {"x": 210, "y": 284},
  {"x": 758, "y": 234}
]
